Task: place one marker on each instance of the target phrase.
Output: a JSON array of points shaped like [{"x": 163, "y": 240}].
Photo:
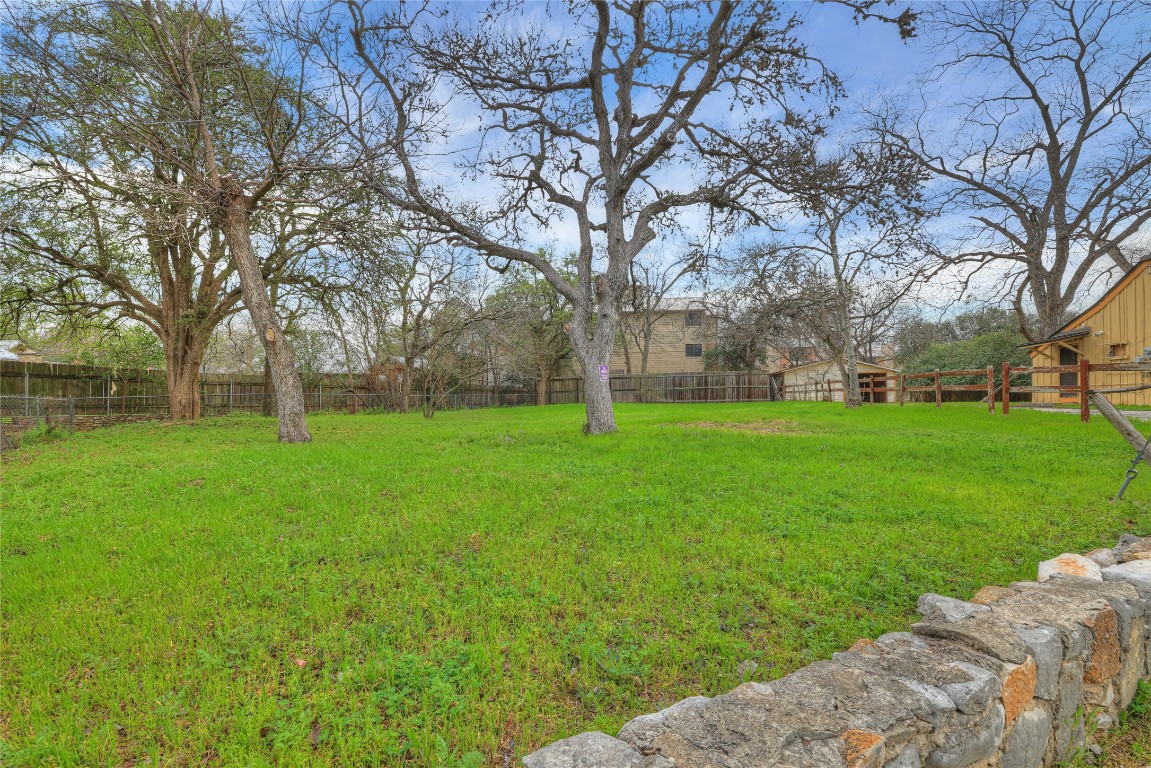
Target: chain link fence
[{"x": 21, "y": 416}]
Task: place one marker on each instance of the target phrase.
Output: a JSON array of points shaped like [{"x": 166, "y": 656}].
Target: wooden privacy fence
[{"x": 717, "y": 387}]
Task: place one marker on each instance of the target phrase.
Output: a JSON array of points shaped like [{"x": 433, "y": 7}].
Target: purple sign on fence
[{"x": 603, "y": 373}]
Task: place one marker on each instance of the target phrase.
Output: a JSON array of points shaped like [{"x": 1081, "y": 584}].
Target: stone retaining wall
[{"x": 1017, "y": 677}]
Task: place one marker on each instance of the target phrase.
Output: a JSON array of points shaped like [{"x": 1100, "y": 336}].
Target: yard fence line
[
  {"x": 84, "y": 397},
  {"x": 1079, "y": 390},
  {"x": 707, "y": 387},
  {"x": 19, "y": 414}
]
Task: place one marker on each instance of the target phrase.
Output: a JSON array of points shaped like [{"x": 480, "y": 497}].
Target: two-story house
[{"x": 671, "y": 336}]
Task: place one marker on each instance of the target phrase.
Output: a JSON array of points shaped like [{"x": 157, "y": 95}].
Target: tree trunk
[
  {"x": 267, "y": 407},
  {"x": 848, "y": 364},
  {"x": 648, "y": 330},
  {"x": 542, "y": 390},
  {"x": 592, "y": 353},
  {"x": 183, "y": 355},
  {"x": 405, "y": 388},
  {"x": 593, "y": 333},
  {"x": 597, "y": 397},
  {"x": 626, "y": 349},
  {"x": 277, "y": 351},
  {"x": 184, "y": 392}
]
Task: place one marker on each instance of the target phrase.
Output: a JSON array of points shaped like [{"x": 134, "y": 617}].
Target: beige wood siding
[
  {"x": 811, "y": 380},
  {"x": 670, "y": 337},
  {"x": 1123, "y": 317}
]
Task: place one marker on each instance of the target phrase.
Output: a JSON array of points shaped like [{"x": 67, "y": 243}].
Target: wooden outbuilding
[
  {"x": 822, "y": 381},
  {"x": 1115, "y": 329}
]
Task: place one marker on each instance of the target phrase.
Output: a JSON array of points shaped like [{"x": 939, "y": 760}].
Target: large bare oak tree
[
  {"x": 1036, "y": 123},
  {"x": 608, "y": 120}
]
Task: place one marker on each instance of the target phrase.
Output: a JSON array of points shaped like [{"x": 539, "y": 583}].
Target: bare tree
[
  {"x": 530, "y": 328},
  {"x": 227, "y": 127},
  {"x": 404, "y": 305},
  {"x": 583, "y": 129},
  {"x": 1037, "y": 124},
  {"x": 863, "y": 245}
]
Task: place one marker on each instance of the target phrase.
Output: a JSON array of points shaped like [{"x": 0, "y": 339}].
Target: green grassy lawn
[{"x": 462, "y": 591}]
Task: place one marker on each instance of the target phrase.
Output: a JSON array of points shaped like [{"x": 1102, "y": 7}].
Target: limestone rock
[
  {"x": 1137, "y": 573},
  {"x": 1105, "y": 558},
  {"x": 1068, "y": 727},
  {"x": 1106, "y": 656},
  {"x": 939, "y": 608},
  {"x": 1025, "y": 745},
  {"x": 908, "y": 758},
  {"x": 990, "y": 594},
  {"x": 643, "y": 729},
  {"x": 1018, "y": 689},
  {"x": 862, "y": 749},
  {"x": 1071, "y": 564},
  {"x": 973, "y": 696},
  {"x": 1133, "y": 664},
  {"x": 984, "y": 632},
  {"x": 963, "y": 746},
  {"x": 585, "y": 750},
  {"x": 1133, "y": 548},
  {"x": 1045, "y": 646}
]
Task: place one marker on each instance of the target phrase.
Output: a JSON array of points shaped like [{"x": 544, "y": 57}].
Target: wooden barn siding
[{"x": 1126, "y": 317}]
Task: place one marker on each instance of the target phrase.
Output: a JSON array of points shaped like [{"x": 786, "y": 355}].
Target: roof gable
[{"x": 1103, "y": 301}]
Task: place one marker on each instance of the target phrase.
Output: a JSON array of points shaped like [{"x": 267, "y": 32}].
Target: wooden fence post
[
  {"x": 1006, "y": 388},
  {"x": 990, "y": 389},
  {"x": 938, "y": 391},
  {"x": 1084, "y": 386},
  {"x": 902, "y": 393}
]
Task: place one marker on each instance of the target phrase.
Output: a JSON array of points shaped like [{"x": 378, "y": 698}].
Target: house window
[
  {"x": 693, "y": 350},
  {"x": 1118, "y": 349},
  {"x": 693, "y": 319}
]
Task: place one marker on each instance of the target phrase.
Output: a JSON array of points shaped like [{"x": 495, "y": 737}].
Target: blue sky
[{"x": 865, "y": 55}]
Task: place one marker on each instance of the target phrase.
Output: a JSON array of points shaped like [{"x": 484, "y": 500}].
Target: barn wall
[{"x": 1125, "y": 317}]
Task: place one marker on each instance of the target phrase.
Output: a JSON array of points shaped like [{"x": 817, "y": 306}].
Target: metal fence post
[
  {"x": 26, "y": 414},
  {"x": 231, "y": 390},
  {"x": 108, "y": 399}
]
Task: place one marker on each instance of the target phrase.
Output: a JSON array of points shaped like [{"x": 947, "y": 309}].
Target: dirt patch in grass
[{"x": 770, "y": 427}]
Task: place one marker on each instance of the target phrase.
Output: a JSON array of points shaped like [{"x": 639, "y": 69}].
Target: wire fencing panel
[{"x": 711, "y": 387}]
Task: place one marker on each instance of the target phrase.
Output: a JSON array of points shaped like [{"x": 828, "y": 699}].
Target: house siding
[
  {"x": 1123, "y": 317},
  {"x": 669, "y": 338}
]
